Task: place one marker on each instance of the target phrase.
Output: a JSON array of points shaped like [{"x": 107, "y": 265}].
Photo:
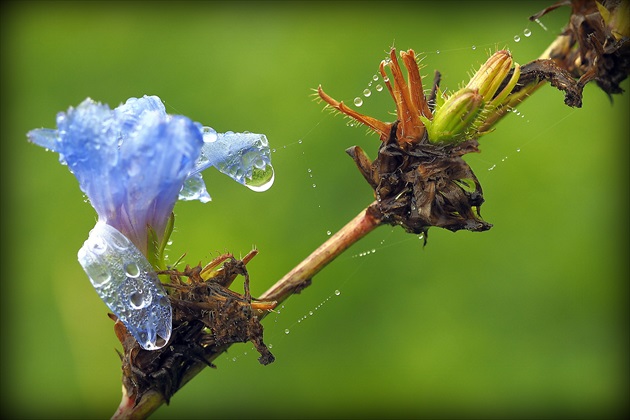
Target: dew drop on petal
[
  {"x": 98, "y": 246},
  {"x": 132, "y": 270},
  {"x": 98, "y": 273},
  {"x": 138, "y": 300},
  {"x": 261, "y": 179},
  {"x": 358, "y": 101}
]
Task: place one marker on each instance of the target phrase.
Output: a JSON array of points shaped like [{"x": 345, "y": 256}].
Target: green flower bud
[
  {"x": 491, "y": 74},
  {"x": 454, "y": 119}
]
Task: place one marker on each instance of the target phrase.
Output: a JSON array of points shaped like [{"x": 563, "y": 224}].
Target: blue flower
[{"x": 133, "y": 163}]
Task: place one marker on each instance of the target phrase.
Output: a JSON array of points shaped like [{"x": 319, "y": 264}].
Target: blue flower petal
[{"x": 126, "y": 282}]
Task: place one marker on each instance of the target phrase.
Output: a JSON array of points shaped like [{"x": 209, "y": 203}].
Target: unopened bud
[
  {"x": 452, "y": 121},
  {"x": 491, "y": 74}
]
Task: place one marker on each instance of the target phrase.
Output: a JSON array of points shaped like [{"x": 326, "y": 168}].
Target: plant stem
[{"x": 300, "y": 276}]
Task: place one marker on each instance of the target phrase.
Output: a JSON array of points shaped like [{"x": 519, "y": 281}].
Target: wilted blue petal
[{"x": 126, "y": 282}]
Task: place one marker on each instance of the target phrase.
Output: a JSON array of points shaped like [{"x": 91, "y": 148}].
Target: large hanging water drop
[
  {"x": 244, "y": 157},
  {"x": 126, "y": 282}
]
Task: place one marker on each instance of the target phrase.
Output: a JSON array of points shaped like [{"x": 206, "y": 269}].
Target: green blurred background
[{"x": 526, "y": 319}]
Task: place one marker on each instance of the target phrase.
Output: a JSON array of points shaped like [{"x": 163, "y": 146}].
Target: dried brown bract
[
  {"x": 596, "y": 45},
  {"x": 417, "y": 182},
  {"x": 207, "y": 318}
]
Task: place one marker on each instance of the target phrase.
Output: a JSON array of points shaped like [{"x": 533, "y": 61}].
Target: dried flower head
[
  {"x": 595, "y": 43},
  {"x": 419, "y": 177}
]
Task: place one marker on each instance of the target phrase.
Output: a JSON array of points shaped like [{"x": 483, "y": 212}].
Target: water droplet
[
  {"x": 234, "y": 359},
  {"x": 98, "y": 246},
  {"x": 367, "y": 92},
  {"x": 314, "y": 185},
  {"x": 261, "y": 179},
  {"x": 99, "y": 274},
  {"x": 385, "y": 79},
  {"x": 474, "y": 47},
  {"x": 270, "y": 345},
  {"x": 139, "y": 300},
  {"x": 309, "y": 170},
  {"x": 328, "y": 232},
  {"x": 518, "y": 150},
  {"x": 527, "y": 32},
  {"x": 517, "y": 38},
  {"x": 375, "y": 77},
  {"x": 378, "y": 88},
  {"x": 287, "y": 331},
  {"x": 310, "y": 313},
  {"x": 273, "y": 150},
  {"x": 437, "y": 51},
  {"x": 337, "y": 292},
  {"x": 358, "y": 101},
  {"x": 540, "y": 23},
  {"x": 300, "y": 141},
  {"x": 492, "y": 167},
  {"x": 132, "y": 270}
]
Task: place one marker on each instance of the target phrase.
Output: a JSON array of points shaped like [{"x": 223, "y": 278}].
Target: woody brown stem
[{"x": 300, "y": 276}]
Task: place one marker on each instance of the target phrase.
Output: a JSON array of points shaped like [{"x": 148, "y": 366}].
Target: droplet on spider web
[
  {"x": 527, "y": 32},
  {"x": 358, "y": 101},
  {"x": 540, "y": 24}
]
